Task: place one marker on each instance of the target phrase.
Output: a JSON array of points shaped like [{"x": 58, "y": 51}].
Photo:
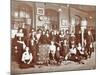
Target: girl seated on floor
[
  {"x": 81, "y": 51},
  {"x": 73, "y": 54},
  {"x": 26, "y": 59}
]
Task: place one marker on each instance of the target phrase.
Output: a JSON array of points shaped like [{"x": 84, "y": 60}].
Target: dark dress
[
  {"x": 19, "y": 52},
  {"x": 13, "y": 51},
  {"x": 47, "y": 39},
  {"x": 50, "y": 56},
  {"x": 89, "y": 40},
  {"x": 42, "y": 39},
  {"x": 65, "y": 50},
  {"x": 53, "y": 37},
  {"x": 34, "y": 49},
  {"x": 57, "y": 56},
  {"x": 71, "y": 39},
  {"x": 61, "y": 38}
]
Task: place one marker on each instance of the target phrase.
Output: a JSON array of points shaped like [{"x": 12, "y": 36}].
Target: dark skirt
[{"x": 23, "y": 65}]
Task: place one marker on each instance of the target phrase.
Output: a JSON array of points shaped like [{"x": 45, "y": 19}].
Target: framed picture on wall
[{"x": 40, "y": 11}]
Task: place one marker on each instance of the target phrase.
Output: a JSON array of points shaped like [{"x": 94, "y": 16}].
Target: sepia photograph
[{"x": 52, "y": 37}]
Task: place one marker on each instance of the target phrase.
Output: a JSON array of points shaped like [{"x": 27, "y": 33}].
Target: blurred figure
[
  {"x": 72, "y": 39},
  {"x": 52, "y": 50},
  {"x": 65, "y": 48},
  {"x": 38, "y": 35},
  {"x": 32, "y": 33},
  {"x": 57, "y": 56},
  {"x": 61, "y": 36},
  {"x": 53, "y": 36},
  {"x": 66, "y": 35},
  {"x": 19, "y": 48},
  {"x": 89, "y": 43},
  {"x": 43, "y": 38},
  {"x": 47, "y": 37},
  {"x": 20, "y": 34},
  {"x": 81, "y": 53},
  {"x": 34, "y": 49}
]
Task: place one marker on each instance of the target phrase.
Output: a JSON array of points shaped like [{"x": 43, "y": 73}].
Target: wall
[
  {"x": 39, "y": 23},
  {"x": 15, "y": 4},
  {"x": 91, "y": 22},
  {"x": 74, "y": 12},
  {"x": 62, "y": 15}
]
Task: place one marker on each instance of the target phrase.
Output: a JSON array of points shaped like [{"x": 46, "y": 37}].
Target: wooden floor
[{"x": 90, "y": 63}]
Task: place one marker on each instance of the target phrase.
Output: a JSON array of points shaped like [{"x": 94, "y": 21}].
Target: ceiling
[{"x": 85, "y": 8}]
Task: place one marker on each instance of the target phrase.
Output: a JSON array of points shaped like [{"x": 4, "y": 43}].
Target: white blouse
[
  {"x": 52, "y": 48},
  {"x": 20, "y": 34},
  {"x": 73, "y": 51},
  {"x": 27, "y": 56},
  {"x": 38, "y": 36},
  {"x": 79, "y": 48}
]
